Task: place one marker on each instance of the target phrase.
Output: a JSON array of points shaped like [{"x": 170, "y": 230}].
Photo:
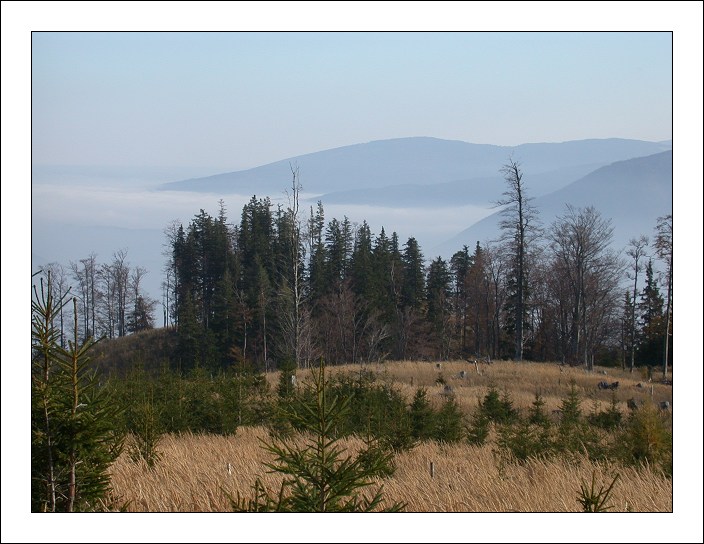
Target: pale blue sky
[{"x": 232, "y": 100}]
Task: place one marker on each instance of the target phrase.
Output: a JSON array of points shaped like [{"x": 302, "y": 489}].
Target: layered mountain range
[{"x": 628, "y": 181}]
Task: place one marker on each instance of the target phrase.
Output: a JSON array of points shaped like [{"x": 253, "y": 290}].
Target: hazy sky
[{"x": 241, "y": 99}]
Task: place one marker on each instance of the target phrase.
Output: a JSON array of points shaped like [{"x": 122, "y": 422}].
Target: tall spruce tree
[
  {"x": 362, "y": 265},
  {"x": 438, "y": 309},
  {"x": 479, "y": 300},
  {"x": 413, "y": 289},
  {"x": 460, "y": 264},
  {"x": 316, "y": 260},
  {"x": 410, "y": 298},
  {"x": 650, "y": 309}
]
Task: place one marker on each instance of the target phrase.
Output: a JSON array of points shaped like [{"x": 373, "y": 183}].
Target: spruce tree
[
  {"x": 422, "y": 415},
  {"x": 438, "y": 296},
  {"x": 449, "y": 422},
  {"x": 460, "y": 265},
  {"x": 650, "y": 307},
  {"x": 74, "y": 435},
  {"x": 319, "y": 477}
]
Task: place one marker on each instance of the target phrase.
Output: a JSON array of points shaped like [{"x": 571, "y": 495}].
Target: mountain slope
[
  {"x": 477, "y": 191},
  {"x": 632, "y": 193},
  {"x": 413, "y": 161}
]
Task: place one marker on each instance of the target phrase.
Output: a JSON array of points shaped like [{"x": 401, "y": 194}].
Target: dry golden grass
[
  {"x": 471, "y": 479},
  {"x": 193, "y": 476},
  {"x": 521, "y": 380},
  {"x": 197, "y": 471}
]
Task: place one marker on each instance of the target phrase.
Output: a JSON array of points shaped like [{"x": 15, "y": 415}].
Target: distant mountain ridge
[
  {"x": 631, "y": 193},
  {"x": 476, "y": 191},
  {"x": 421, "y": 161}
]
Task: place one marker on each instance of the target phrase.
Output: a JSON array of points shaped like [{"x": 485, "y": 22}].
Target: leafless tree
[
  {"x": 296, "y": 322},
  {"x": 169, "y": 285},
  {"x": 636, "y": 250},
  {"x": 85, "y": 272},
  {"x": 106, "y": 309},
  {"x": 495, "y": 295},
  {"x": 519, "y": 226},
  {"x": 166, "y": 289},
  {"x": 57, "y": 281},
  {"x": 663, "y": 247},
  {"x": 121, "y": 274},
  {"x": 579, "y": 241}
]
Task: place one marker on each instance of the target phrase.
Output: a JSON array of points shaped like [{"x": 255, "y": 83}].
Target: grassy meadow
[{"x": 197, "y": 472}]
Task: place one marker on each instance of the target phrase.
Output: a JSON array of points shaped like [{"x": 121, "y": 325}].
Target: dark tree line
[{"x": 277, "y": 287}]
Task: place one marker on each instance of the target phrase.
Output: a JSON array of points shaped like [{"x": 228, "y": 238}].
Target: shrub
[
  {"x": 478, "y": 429},
  {"x": 571, "y": 408},
  {"x": 525, "y": 440},
  {"x": 537, "y": 415},
  {"x": 574, "y": 433},
  {"x": 646, "y": 439},
  {"x": 610, "y": 418},
  {"x": 422, "y": 415},
  {"x": 498, "y": 409},
  {"x": 146, "y": 432},
  {"x": 449, "y": 425}
]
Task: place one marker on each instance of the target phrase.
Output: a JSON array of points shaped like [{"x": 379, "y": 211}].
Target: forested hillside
[
  {"x": 291, "y": 285},
  {"x": 286, "y": 284}
]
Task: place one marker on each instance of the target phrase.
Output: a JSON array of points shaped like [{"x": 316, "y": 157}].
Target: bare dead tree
[
  {"x": 519, "y": 226},
  {"x": 296, "y": 328},
  {"x": 636, "y": 250},
  {"x": 107, "y": 306},
  {"x": 495, "y": 296},
  {"x": 121, "y": 272},
  {"x": 170, "y": 285},
  {"x": 579, "y": 241},
  {"x": 663, "y": 247},
  {"x": 85, "y": 273},
  {"x": 57, "y": 280}
]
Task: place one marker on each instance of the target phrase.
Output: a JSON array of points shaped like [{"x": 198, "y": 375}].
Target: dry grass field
[
  {"x": 520, "y": 380},
  {"x": 197, "y": 472}
]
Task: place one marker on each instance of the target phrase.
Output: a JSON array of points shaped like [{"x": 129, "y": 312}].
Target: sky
[
  {"x": 115, "y": 113},
  {"x": 229, "y": 101},
  {"x": 122, "y": 111}
]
